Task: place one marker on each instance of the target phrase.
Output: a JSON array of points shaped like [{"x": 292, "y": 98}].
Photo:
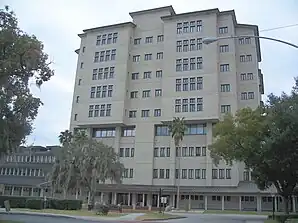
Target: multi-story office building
[
  {"x": 24, "y": 172},
  {"x": 132, "y": 76}
]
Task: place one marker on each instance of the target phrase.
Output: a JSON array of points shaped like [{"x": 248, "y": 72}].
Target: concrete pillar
[
  {"x": 222, "y": 203},
  {"x": 275, "y": 199},
  {"x": 259, "y": 203},
  {"x": 77, "y": 193},
  {"x": 206, "y": 202},
  {"x": 158, "y": 201},
  {"x": 115, "y": 198},
  {"x": 22, "y": 191},
  {"x": 41, "y": 192},
  {"x": 12, "y": 190},
  {"x": 240, "y": 204},
  {"x": 149, "y": 201},
  {"x": 294, "y": 203},
  {"x": 173, "y": 200},
  {"x": 143, "y": 200},
  {"x": 101, "y": 197},
  {"x": 134, "y": 200},
  {"x": 129, "y": 199},
  {"x": 32, "y": 192},
  {"x": 189, "y": 202}
]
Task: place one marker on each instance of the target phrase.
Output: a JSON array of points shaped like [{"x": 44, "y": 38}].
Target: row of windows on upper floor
[
  {"x": 221, "y": 173},
  {"x": 30, "y": 159},
  {"x": 160, "y": 130},
  {"x": 106, "y": 39},
  {"x": 26, "y": 172}
]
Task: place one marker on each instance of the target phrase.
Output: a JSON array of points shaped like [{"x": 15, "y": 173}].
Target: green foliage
[
  {"x": 266, "y": 140},
  {"x": 84, "y": 162},
  {"x": 102, "y": 209},
  {"x": 22, "y": 61},
  {"x": 279, "y": 217},
  {"x": 177, "y": 129},
  {"x": 34, "y": 204},
  {"x": 38, "y": 203}
]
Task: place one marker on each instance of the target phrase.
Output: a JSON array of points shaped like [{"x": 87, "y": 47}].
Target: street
[{"x": 191, "y": 218}]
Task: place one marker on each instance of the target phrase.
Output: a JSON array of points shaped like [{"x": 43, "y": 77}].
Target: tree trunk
[
  {"x": 286, "y": 204},
  {"x": 178, "y": 180}
]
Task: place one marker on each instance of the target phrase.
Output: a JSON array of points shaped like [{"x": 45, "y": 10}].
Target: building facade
[{"x": 133, "y": 76}]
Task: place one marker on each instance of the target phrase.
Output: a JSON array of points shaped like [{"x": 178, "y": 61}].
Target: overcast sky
[{"x": 57, "y": 22}]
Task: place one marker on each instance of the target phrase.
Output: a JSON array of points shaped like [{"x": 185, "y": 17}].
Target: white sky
[{"x": 57, "y": 22}]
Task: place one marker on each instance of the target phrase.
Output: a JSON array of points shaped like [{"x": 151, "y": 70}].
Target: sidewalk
[{"x": 128, "y": 217}]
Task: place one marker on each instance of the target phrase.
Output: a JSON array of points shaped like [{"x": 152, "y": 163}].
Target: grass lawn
[
  {"x": 7, "y": 221},
  {"x": 71, "y": 212},
  {"x": 270, "y": 221},
  {"x": 157, "y": 216},
  {"x": 236, "y": 212}
]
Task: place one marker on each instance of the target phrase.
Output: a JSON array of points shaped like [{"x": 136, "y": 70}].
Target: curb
[{"x": 164, "y": 219}]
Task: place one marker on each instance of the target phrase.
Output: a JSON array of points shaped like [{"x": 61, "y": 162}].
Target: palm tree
[{"x": 177, "y": 129}]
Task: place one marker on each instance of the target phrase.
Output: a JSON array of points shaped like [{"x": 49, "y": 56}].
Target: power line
[{"x": 280, "y": 27}]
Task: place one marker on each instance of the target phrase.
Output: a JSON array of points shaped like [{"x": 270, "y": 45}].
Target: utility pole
[{"x": 160, "y": 195}]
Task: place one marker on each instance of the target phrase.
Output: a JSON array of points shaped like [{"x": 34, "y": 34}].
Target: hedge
[{"x": 38, "y": 203}]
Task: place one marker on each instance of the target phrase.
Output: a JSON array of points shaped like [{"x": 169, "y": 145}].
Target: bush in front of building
[
  {"x": 34, "y": 204},
  {"x": 102, "y": 209},
  {"x": 282, "y": 218},
  {"x": 64, "y": 204},
  {"x": 15, "y": 202}
]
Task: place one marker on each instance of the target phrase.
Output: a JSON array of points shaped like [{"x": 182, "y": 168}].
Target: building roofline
[
  {"x": 77, "y": 51},
  {"x": 170, "y": 7},
  {"x": 181, "y": 15},
  {"x": 123, "y": 24}
]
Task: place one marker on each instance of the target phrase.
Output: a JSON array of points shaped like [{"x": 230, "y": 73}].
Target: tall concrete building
[{"x": 133, "y": 76}]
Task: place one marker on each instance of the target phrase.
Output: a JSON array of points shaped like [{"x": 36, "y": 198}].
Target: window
[
  {"x": 248, "y": 58},
  {"x": 162, "y": 152},
  {"x": 128, "y": 131},
  {"x": 225, "y": 108},
  {"x": 157, "y": 112},
  {"x": 147, "y": 75},
  {"x": 75, "y": 117},
  {"x": 167, "y": 173},
  {"x": 179, "y": 46},
  {"x": 105, "y": 110},
  {"x": 83, "y": 50},
  {"x": 82, "y": 65},
  {"x": 199, "y": 25},
  {"x": 168, "y": 152},
  {"x": 121, "y": 152},
  {"x": 146, "y": 94},
  {"x": 184, "y": 174},
  {"x": 244, "y": 96},
  {"x": 221, "y": 174},
  {"x": 190, "y": 174},
  {"x": 149, "y": 39},
  {"x": 246, "y": 176},
  {"x": 185, "y": 45},
  {"x": 228, "y": 173},
  {"x": 96, "y": 57},
  {"x": 103, "y": 133},
  {"x": 250, "y": 76},
  {"x": 223, "y": 30},
  {"x": 197, "y": 173},
  {"x": 179, "y": 28},
  {"x": 134, "y": 94},
  {"x": 161, "y": 173},
  {"x": 158, "y": 74},
  {"x": 158, "y": 92},
  {"x": 159, "y": 56},
  {"x": 225, "y": 88},
  {"x": 136, "y": 58},
  {"x": 160, "y": 38},
  {"x": 132, "y": 114},
  {"x": 224, "y": 67},
  {"x": 247, "y": 95},
  {"x": 155, "y": 152},
  {"x": 79, "y": 81},
  {"x": 251, "y": 95},
  {"x": 135, "y": 76},
  {"x": 126, "y": 152},
  {"x": 155, "y": 173},
  {"x": 224, "y": 48},
  {"x": 203, "y": 173},
  {"x": 113, "y": 55},
  {"x": 130, "y": 173},
  {"x": 148, "y": 56},
  {"x": 161, "y": 130},
  {"x": 189, "y": 84},
  {"x": 179, "y": 65},
  {"x": 145, "y": 113},
  {"x": 137, "y": 41},
  {"x": 242, "y": 58},
  {"x": 214, "y": 174},
  {"x": 246, "y": 40}
]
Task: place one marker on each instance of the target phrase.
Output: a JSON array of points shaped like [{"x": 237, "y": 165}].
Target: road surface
[{"x": 191, "y": 218}]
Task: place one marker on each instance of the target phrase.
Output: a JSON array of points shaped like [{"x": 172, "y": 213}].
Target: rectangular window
[
  {"x": 148, "y": 56},
  {"x": 128, "y": 131},
  {"x": 224, "y": 48},
  {"x": 225, "y": 108},
  {"x": 228, "y": 173},
  {"x": 132, "y": 114},
  {"x": 155, "y": 152},
  {"x": 248, "y": 58},
  {"x": 162, "y": 152},
  {"x": 103, "y": 133},
  {"x": 147, "y": 75},
  {"x": 137, "y": 41},
  {"x": 167, "y": 173},
  {"x": 149, "y": 39},
  {"x": 168, "y": 152},
  {"x": 250, "y": 76},
  {"x": 223, "y": 30},
  {"x": 157, "y": 112},
  {"x": 158, "y": 74},
  {"x": 158, "y": 92},
  {"x": 244, "y": 96},
  {"x": 251, "y": 95},
  {"x": 203, "y": 173},
  {"x": 127, "y": 152},
  {"x": 136, "y": 58},
  {"x": 145, "y": 113},
  {"x": 246, "y": 176},
  {"x": 130, "y": 173},
  {"x": 242, "y": 58},
  {"x": 221, "y": 174},
  {"x": 159, "y": 56},
  {"x": 224, "y": 68},
  {"x": 161, "y": 173},
  {"x": 146, "y": 94},
  {"x": 184, "y": 174},
  {"x": 179, "y": 46},
  {"x": 190, "y": 174},
  {"x": 82, "y": 65},
  {"x": 197, "y": 174},
  {"x": 96, "y": 57},
  {"x": 134, "y": 94},
  {"x": 135, "y": 76},
  {"x": 160, "y": 38},
  {"x": 155, "y": 173},
  {"x": 179, "y": 65},
  {"x": 225, "y": 87},
  {"x": 214, "y": 173},
  {"x": 243, "y": 76}
]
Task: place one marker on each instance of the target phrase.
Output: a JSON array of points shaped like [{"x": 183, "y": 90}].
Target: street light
[{"x": 209, "y": 40}]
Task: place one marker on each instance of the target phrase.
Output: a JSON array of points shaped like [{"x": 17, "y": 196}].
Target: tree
[
  {"x": 83, "y": 163},
  {"x": 177, "y": 129},
  {"x": 22, "y": 61},
  {"x": 266, "y": 140},
  {"x": 65, "y": 137}
]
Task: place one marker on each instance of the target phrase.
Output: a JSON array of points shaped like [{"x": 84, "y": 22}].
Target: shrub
[
  {"x": 15, "y": 202},
  {"x": 102, "y": 209},
  {"x": 65, "y": 204},
  {"x": 280, "y": 217},
  {"x": 34, "y": 204}
]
